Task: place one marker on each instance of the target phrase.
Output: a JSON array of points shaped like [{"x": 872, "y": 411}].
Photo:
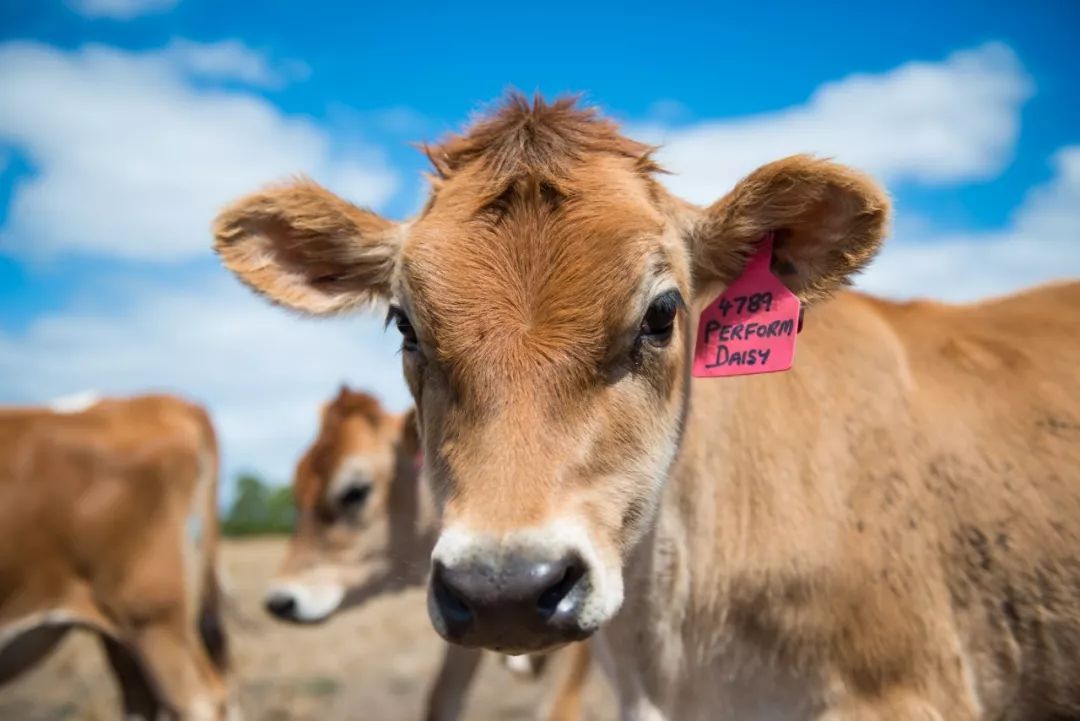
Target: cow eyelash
[
  {"x": 658, "y": 323},
  {"x": 409, "y": 340}
]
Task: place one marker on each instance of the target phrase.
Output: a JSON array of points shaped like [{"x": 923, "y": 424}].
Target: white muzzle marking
[{"x": 310, "y": 602}]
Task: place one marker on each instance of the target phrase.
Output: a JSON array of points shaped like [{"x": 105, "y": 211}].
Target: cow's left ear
[
  {"x": 303, "y": 247},
  {"x": 827, "y": 222}
]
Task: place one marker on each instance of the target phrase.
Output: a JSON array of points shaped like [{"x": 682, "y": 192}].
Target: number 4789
[{"x": 746, "y": 303}]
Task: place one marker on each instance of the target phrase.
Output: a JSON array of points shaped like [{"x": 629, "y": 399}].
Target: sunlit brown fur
[{"x": 111, "y": 523}]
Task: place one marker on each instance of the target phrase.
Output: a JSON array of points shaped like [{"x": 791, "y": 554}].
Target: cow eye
[
  {"x": 409, "y": 341},
  {"x": 354, "y": 497},
  {"x": 659, "y": 321}
]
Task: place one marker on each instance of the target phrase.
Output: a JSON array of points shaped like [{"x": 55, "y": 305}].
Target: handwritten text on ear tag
[{"x": 751, "y": 327}]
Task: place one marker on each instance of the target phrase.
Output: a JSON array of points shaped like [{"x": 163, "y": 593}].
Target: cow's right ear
[
  {"x": 305, "y": 248},
  {"x": 827, "y": 221}
]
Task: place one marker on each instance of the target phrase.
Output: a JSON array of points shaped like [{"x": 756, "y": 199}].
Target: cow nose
[
  {"x": 519, "y": 605},
  {"x": 282, "y": 605}
]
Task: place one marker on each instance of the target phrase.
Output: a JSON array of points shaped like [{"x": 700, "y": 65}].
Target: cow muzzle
[
  {"x": 300, "y": 603},
  {"x": 514, "y": 596}
]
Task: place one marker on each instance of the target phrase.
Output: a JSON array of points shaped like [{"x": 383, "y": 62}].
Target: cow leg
[
  {"x": 565, "y": 701},
  {"x": 178, "y": 666},
  {"x": 447, "y": 696},
  {"x": 138, "y": 697},
  {"x": 635, "y": 703}
]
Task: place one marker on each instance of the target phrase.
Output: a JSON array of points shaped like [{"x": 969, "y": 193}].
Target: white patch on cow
[
  {"x": 193, "y": 539},
  {"x": 75, "y": 403},
  {"x": 202, "y": 708},
  {"x": 52, "y": 617},
  {"x": 604, "y": 584},
  {"x": 311, "y": 601},
  {"x": 972, "y": 684},
  {"x": 194, "y": 528},
  {"x": 644, "y": 710},
  {"x": 520, "y": 665},
  {"x": 967, "y": 668}
]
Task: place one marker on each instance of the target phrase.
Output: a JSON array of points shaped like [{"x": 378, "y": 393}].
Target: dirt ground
[{"x": 370, "y": 664}]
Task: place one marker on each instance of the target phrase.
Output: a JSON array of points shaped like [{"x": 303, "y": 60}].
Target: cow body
[
  {"x": 885, "y": 533},
  {"x": 111, "y": 516},
  {"x": 919, "y": 522}
]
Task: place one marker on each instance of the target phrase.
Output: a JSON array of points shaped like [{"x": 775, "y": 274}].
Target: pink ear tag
[
  {"x": 751, "y": 327},
  {"x": 418, "y": 461}
]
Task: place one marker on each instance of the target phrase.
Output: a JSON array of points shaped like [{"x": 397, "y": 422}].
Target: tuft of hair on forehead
[
  {"x": 526, "y": 201},
  {"x": 535, "y": 139},
  {"x": 349, "y": 402},
  {"x": 314, "y": 468}
]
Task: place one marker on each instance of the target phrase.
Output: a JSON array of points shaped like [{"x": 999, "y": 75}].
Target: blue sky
[{"x": 125, "y": 123}]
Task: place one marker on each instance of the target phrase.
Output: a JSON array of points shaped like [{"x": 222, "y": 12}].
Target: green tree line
[{"x": 259, "y": 509}]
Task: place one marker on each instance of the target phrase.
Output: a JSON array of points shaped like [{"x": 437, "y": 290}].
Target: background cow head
[{"x": 360, "y": 524}]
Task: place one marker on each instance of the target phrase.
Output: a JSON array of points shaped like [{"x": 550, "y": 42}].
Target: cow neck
[{"x": 741, "y": 497}]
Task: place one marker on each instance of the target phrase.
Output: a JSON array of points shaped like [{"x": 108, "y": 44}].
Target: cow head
[
  {"x": 361, "y": 523},
  {"x": 547, "y": 297}
]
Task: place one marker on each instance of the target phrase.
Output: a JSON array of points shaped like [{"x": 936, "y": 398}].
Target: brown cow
[
  {"x": 889, "y": 531},
  {"x": 110, "y": 518},
  {"x": 366, "y": 526}
]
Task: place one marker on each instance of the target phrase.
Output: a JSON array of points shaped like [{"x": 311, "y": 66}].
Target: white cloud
[
  {"x": 936, "y": 123},
  {"x": 261, "y": 371},
  {"x": 120, "y": 9},
  {"x": 133, "y": 156},
  {"x": 1040, "y": 244},
  {"x": 228, "y": 60}
]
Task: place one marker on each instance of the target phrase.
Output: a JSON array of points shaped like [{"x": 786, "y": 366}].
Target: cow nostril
[
  {"x": 281, "y": 605},
  {"x": 549, "y": 600},
  {"x": 515, "y": 606},
  {"x": 453, "y": 607}
]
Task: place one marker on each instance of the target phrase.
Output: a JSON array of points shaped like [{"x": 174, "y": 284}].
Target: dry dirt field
[{"x": 369, "y": 664}]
